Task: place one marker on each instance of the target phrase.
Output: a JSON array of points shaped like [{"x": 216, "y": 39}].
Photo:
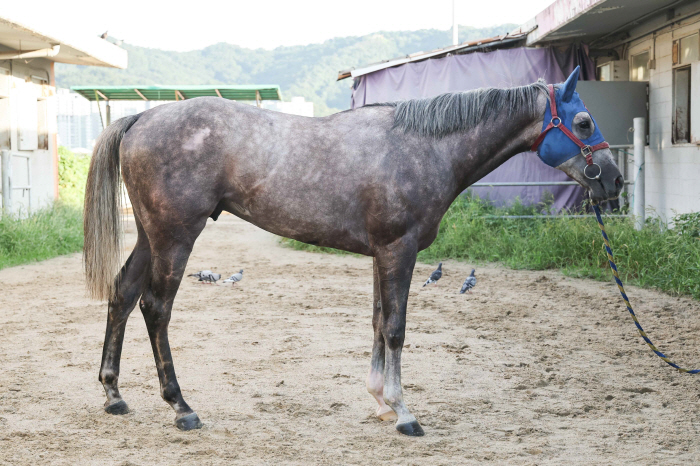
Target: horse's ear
[{"x": 570, "y": 85}]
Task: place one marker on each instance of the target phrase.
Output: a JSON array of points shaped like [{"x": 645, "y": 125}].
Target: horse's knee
[
  {"x": 394, "y": 338},
  {"x": 153, "y": 309}
]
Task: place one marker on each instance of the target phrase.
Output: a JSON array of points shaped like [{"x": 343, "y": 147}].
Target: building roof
[
  {"x": 595, "y": 21},
  {"x": 65, "y": 47},
  {"x": 465, "y": 47},
  {"x": 243, "y": 92}
]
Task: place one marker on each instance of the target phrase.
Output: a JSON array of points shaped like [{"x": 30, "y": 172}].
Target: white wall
[
  {"x": 23, "y": 86},
  {"x": 672, "y": 170}
]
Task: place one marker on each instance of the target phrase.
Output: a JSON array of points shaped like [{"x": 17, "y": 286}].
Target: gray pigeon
[
  {"x": 236, "y": 277},
  {"x": 469, "y": 283},
  {"x": 435, "y": 276},
  {"x": 209, "y": 277},
  {"x": 199, "y": 274}
]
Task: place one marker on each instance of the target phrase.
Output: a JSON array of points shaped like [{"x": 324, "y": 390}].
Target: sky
[{"x": 182, "y": 26}]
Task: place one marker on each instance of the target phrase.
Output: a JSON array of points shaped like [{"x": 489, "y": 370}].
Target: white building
[
  {"x": 28, "y": 103},
  {"x": 642, "y": 40},
  {"x": 297, "y": 106}
]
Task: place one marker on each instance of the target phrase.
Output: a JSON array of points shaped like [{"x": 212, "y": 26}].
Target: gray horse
[{"x": 375, "y": 181}]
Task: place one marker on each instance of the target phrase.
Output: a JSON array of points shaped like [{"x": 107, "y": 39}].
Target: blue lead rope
[{"x": 613, "y": 268}]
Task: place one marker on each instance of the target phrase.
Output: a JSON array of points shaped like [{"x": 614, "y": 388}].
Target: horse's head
[{"x": 572, "y": 142}]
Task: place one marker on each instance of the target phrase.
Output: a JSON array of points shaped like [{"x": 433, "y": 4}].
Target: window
[
  {"x": 604, "y": 72},
  {"x": 681, "y": 105},
  {"x": 639, "y": 67},
  {"x": 686, "y": 50}
]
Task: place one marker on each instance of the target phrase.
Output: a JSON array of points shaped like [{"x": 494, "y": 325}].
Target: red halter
[{"x": 586, "y": 150}]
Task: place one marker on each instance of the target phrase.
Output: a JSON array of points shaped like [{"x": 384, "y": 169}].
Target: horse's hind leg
[
  {"x": 375, "y": 378},
  {"x": 131, "y": 283},
  {"x": 395, "y": 264},
  {"x": 167, "y": 268}
]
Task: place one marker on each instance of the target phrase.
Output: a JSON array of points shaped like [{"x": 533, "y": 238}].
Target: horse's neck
[{"x": 480, "y": 151}]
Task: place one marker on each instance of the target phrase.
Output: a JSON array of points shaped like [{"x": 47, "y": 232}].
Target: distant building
[
  {"x": 297, "y": 106},
  {"x": 28, "y": 123},
  {"x": 79, "y": 122}
]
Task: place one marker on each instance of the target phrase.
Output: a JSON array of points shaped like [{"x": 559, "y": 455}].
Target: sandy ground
[{"x": 532, "y": 368}]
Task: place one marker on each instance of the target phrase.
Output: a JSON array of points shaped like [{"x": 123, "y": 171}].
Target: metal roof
[
  {"x": 69, "y": 46},
  {"x": 594, "y": 20},
  {"x": 244, "y": 92},
  {"x": 465, "y": 47}
]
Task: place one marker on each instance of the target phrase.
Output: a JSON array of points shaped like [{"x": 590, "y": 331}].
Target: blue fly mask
[{"x": 556, "y": 147}]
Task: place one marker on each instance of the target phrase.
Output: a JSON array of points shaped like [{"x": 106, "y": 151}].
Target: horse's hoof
[
  {"x": 412, "y": 429},
  {"x": 189, "y": 422},
  {"x": 120, "y": 407}
]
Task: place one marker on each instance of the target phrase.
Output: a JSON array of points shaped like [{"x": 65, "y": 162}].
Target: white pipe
[
  {"x": 639, "y": 143},
  {"x": 41, "y": 53},
  {"x": 7, "y": 182}
]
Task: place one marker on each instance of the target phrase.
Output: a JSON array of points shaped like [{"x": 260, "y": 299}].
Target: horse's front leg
[
  {"x": 375, "y": 378},
  {"x": 395, "y": 268}
]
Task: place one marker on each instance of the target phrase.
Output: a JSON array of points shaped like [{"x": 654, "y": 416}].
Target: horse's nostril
[{"x": 619, "y": 181}]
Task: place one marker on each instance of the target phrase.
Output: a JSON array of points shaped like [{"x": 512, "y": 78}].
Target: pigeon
[
  {"x": 236, "y": 277},
  {"x": 104, "y": 35},
  {"x": 435, "y": 276},
  {"x": 209, "y": 277},
  {"x": 469, "y": 283},
  {"x": 200, "y": 273}
]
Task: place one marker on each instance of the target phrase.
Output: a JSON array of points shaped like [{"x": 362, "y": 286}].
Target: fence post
[
  {"x": 622, "y": 166},
  {"x": 639, "y": 201},
  {"x": 6, "y": 182}
]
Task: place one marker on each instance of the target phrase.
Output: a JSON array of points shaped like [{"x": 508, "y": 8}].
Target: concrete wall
[
  {"x": 27, "y": 96},
  {"x": 672, "y": 170}
]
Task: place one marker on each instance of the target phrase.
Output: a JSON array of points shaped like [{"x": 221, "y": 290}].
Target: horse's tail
[{"x": 102, "y": 214}]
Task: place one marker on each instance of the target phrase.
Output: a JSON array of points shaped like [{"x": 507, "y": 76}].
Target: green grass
[
  {"x": 54, "y": 230},
  {"x": 668, "y": 260},
  {"x": 47, "y": 233}
]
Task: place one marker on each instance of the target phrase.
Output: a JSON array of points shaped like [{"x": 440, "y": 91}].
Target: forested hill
[{"x": 309, "y": 71}]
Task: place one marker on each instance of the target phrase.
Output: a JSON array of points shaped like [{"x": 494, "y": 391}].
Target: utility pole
[{"x": 455, "y": 35}]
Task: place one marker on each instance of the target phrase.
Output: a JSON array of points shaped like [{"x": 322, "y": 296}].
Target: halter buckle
[{"x": 586, "y": 151}]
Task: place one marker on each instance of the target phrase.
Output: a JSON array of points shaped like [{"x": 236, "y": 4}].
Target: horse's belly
[{"x": 312, "y": 224}]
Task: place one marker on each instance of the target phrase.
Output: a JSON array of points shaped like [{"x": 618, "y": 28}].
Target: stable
[
  {"x": 27, "y": 108},
  {"x": 639, "y": 58}
]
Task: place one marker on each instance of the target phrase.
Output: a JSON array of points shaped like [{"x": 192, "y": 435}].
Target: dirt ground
[{"x": 532, "y": 368}]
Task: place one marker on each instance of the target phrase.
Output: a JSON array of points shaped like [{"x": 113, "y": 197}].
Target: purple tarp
[{"x": 502, "y": 68}]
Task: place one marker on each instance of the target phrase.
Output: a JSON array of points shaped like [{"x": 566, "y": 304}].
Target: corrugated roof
[
  {"x": 466, "y": 47},
  {"x": 240, "y": 92}
]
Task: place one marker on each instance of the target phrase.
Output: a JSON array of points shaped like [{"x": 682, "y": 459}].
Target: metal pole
[
  {"x": 108, "y": 113},
  {"x": 455, "y": 31},
  {"x": 622, "y": 166},
  {"x": 639, "y": 201},
  {"x": 7, "y": 182}
]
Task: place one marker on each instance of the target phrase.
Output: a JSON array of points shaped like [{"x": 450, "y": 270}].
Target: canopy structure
[{"x": 256, "y": 92}]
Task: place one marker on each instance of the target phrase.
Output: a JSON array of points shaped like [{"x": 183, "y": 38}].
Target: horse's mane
[{"x": 459, "y": 111}]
